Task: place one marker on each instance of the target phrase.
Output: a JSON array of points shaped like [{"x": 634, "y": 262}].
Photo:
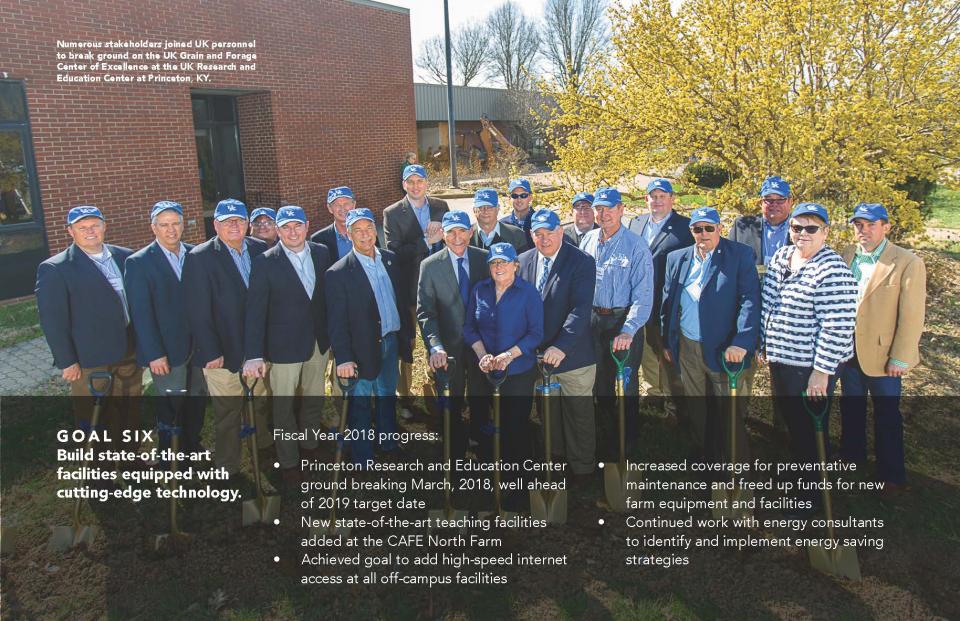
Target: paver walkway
[{"x": 25, "y": 366}]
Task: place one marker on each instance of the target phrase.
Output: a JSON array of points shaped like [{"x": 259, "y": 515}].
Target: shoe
[{"x": 405, "y": 413}]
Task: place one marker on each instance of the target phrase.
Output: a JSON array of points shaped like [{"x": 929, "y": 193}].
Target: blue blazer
[
  {"x": 283, "y": 323},
  {"x": 217, "y": 302},
  {"x": 80, "y": 313},
  {"x": 327, "y": 236},
  {"x": 157, "y": 306},
  {"x": 567, "y": 303},
  {"x": 354, "y": 320},
  {"x": 729, "y": 302},
  {"x": 674, "y": 234}
]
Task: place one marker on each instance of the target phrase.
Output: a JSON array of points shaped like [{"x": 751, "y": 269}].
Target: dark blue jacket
[
  {"x": 674, "y": 234},
  {"x": 217, "y": 302},
  {"x": 729, "y": 302},
  {"x": 282, "y": 322},
  {"x": 517, "y": 319},
  {"x": 567, "y": 303},
  {"x": 80, "y": 313},
  {"x": 354, "y": 320},
  {"x": 157, "y": 307}
]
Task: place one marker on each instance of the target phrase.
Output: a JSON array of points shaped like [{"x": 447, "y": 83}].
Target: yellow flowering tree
[{"x": 846, "y": 100}]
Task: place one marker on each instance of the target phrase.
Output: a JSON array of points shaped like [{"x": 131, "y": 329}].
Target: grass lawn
[
  {"x": 19, "y": 322},
  {"x": 945, "y": 205}
]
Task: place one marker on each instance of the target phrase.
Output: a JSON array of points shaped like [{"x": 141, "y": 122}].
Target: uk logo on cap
[
  {"x": 230, "y": 208},
  {"x": 81, "y": 212},
  {"x": 339, "y": 192},
  {"x": 485, "y": 197}
]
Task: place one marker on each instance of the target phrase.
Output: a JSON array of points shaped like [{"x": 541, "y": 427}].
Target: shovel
[
  {"x": 332, "y": 529},
  {"x": 66, "y": 537},
  {"x": 548, "y": 504},
  {"x": 443, "y": 389},
  {"x": 841, "y": 561},
  {"x": 725, "y": 499},
  {"x": 262, "y": 509},
  {"x": 616, "y": 477},
  {"x": 175, "y": 538},
  {"x": 496, "y": 378}
]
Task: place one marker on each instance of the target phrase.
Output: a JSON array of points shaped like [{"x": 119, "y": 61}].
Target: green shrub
[{"x": 705, "y": 174}]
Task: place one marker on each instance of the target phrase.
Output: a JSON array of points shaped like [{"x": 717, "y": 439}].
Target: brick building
[{"x": 331, "y": 102}]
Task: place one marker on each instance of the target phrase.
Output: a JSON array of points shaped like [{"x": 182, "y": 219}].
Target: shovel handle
[
  {"x": 442, "y": 376},
  {"x": 496, "y": 378},
  {"x": 733, "y": 376},
  {"x": 347, "y": 386},
  {"x": 620, "y": 361},
  {"x": 247, "y": 388},
  {"x": 107, "y": 377},
  {"x": 814, "y": 416}
]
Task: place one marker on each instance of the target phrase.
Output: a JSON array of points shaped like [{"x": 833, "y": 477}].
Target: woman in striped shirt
[{"x": 809, "y": 309}]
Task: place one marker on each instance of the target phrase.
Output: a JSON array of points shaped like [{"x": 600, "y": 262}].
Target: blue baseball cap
[
  {"x": 607, "y": 197},
  {"x": 162, "y": 206},
  {"x": 582, "y": 196},
  {"x": 502, "y": 252},
  {"x": 660, "y": 184},
  {"x": 81, "y": 212},
  {"x": 360, "y": 213},
  {"x": 811, "y": 209},
  {"x": 871, "y": 212},
  {"x": 519, "y": 183},
  {"x": 486, "y": 197},
  {"x": 414, "y": 169},
  {"x": 774, "y": 185},
  {"x": 229, "y": 208},
  {"x": 290, "y": 213},
  {"x": 339, "y": 192},
  {"x": 455, "y": 220},
  {"x": 263, "y": 211},
  {"x": 544, "y": 219},
  {"x": 705, "y": 214}
]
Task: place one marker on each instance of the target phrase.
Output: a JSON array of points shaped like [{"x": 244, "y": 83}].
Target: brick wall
[{"x": 333, "y": 105}]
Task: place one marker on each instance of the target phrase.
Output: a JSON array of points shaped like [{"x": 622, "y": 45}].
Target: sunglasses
[
  {"x": 810, "y": 229},
  {"x": 703, "y": 229},
  {"x": 524, "y": 195}
]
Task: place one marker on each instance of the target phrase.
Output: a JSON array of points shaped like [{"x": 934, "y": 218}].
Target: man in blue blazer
[
  {"x": 710, "y": 316},
  {"x": 157, "y": 302},
  {"x": 565, "y": 276},
  {"x": 216, "y": 275},
  {"x": 664, "y": 231},
  {"x": 340, "y": 201},
  {"x": 370, "y": 329},
  {"x": 85, "y": 318},
  {"x": 287, "y": 327}
]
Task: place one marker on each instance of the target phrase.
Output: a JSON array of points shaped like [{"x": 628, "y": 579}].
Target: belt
[{"x": 610, "y": 311}]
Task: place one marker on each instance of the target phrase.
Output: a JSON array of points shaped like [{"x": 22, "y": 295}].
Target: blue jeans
[
  {"x": 384, "y": 389},
  {"x": 887, "y": 421}
]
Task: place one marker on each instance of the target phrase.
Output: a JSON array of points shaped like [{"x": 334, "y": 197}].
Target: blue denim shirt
[
  {"x": 382, "y": 291},
  {"x": 624, "y": 274},
  {"x": 516, "y": 320}
]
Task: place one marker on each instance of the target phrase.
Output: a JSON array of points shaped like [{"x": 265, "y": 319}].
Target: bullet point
[
  {"x": 276, "y": 522},
  {"x": 600, "y": 521},
  {"x": 276, "y": 559},
  {"x": 600, "y": 465},
  {"x": 276, "y": 464}
]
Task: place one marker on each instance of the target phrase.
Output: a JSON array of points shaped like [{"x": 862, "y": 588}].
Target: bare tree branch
[
  {"x": 432, "y": 60},
  {"x": 471, "y": 50},
  {"x": 574, "y": 32},
  {"x": 514, "y": 45}
]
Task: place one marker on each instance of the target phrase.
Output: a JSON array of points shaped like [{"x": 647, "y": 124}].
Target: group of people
[{"x": 681, "y": 302}]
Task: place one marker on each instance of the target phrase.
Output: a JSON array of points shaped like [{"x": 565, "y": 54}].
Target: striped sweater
[{"x": 808, "y": 316}]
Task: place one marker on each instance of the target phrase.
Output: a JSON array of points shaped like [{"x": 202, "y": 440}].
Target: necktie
[
  {"x": 464, "y": 281},
  {"x": 543, "y": 277}
]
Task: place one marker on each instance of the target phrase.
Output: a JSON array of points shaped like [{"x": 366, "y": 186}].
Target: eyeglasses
[
  {"x": 775, "y": 201},
  {"x": 703, "y": 229},
  {"x": 810, "y": 229},
  {"x": 583, "y": 207},
  {"x": 263, "y": 225},
  {"x": 515, "y": 196}
]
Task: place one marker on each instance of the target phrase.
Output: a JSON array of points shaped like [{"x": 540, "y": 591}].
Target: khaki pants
[
  {"x": 660, "y": 379},
  {"x": 227, "y": 395},
  {"x": 287, "y": 381},
  {"x": 405, "y": 380},
  {"x": 708, "y": 406},
  {"x": 119, "y": 412},
  {"x": 573, "y": 426}
]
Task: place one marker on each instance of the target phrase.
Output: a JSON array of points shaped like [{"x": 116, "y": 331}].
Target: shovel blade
[
  {"x": 171, "y": 541},
  {"x": 840, "y": 562},
  {"x": 66, "y": 537},
  {"x": 255, "y": 513},
  {"x": 556, "y": 506},
  {"x": 617, "y": 482}
]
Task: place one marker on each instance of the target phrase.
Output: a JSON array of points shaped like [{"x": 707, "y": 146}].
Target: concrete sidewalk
[{"x": 26, "y": 366}]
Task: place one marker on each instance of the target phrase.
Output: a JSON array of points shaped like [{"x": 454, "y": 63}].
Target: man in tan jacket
[{"x": 891, "y": 296}]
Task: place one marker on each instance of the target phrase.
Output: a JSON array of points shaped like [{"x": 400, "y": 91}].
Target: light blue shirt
[
  {"x": 175, "y": 260},
  {"x": 541, "y": 258},
  {"x": 423, "y": 215},
  {"x": 108, "y": 267},
  {"x": 624, "y": 274},
  {"x": 488, "y": 239},
  {"x": 453, "y": 260},
  {"x": 302, "y": 263},
  {"x": 242, "y": 261},
  {"x": 652, "y": 229},
  {"x": 382, "y": 287},
  {"x": 690, "y": 296},
  {"x": 344, "y": 245},
  {"x": 773, "y": 238}
]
